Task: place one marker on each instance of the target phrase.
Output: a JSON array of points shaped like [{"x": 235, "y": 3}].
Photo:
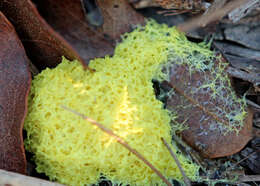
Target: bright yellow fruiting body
[{"x": 119, "y": 95}]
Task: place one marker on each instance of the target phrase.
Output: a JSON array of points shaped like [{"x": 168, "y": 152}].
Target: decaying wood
[
  {"x": 216, "y": 5},
  {"x": 251, "y": 19},
  {"x": 243, "y": 10},
  {"x": 13, "y": 179},
  {"x": 245, "y": 58},
  {"x": 251, "y": 77},
  {"x": 249, "y": 178},
  {"x": 204, "y": 20}
]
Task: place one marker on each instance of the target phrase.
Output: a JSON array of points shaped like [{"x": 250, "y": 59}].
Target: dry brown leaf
[
  {"x": 68, "y": 18},
  {"x": 119, "y": 17},
  {"x": 208, "y": 114},
  {"x": 15, "y": 83},
  {"x": 43, "y": 45}
]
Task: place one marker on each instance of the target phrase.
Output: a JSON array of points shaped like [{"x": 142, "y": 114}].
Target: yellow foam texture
[{"x": 119, "y": 95}]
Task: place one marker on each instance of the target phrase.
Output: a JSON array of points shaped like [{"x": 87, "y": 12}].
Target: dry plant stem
[
  {"x": 119, "y": 140},
  {"x": 204, "y": 20},
  {"x": 186, "y": 179}
]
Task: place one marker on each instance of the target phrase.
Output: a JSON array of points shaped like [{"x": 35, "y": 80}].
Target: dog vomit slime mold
[{"x": 120, "y": 95}]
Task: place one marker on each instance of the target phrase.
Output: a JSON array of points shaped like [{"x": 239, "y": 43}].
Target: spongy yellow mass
[{"x": 119, "y": 95}]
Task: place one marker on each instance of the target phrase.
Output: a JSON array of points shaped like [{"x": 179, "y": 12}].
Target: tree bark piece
[
  {"x": 251, "y": 77},
  {"x": 244, "y": 35},
  {"x": 243, "y": 10},
  {"x": 216, "y": 15},
  {"x": 240, "y": 52}
]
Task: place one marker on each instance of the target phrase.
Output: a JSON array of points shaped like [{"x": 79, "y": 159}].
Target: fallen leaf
[
  {"x": 43, "y": 45},
  {"x": 67, "y": 31},
  {"x": 68, "y": 18},
  {"x": 206, "y": 103},
  {"x": 15, "y": 83},
  {"x": 119, "y": 17}
]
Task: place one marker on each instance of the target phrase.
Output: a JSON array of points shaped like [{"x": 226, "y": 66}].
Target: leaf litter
[{"x": 107, "y": 38}]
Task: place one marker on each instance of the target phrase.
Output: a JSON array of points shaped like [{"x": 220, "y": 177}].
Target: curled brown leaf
[
  {"x": 43, "y": 45},
  {"x": 69, "y": 20},
  {"x": 15, "y": 83}
]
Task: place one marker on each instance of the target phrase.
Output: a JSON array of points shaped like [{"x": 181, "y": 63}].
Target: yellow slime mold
[{"x": 119, "y": 95}]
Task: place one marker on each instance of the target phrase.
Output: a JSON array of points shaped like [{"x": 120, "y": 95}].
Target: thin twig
[
  {"x": 185, "y": 178},
  {"x": 204, "y": 20},
  {"x": 119, "y": 140},
  {"x": 237, "y": 163}
]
